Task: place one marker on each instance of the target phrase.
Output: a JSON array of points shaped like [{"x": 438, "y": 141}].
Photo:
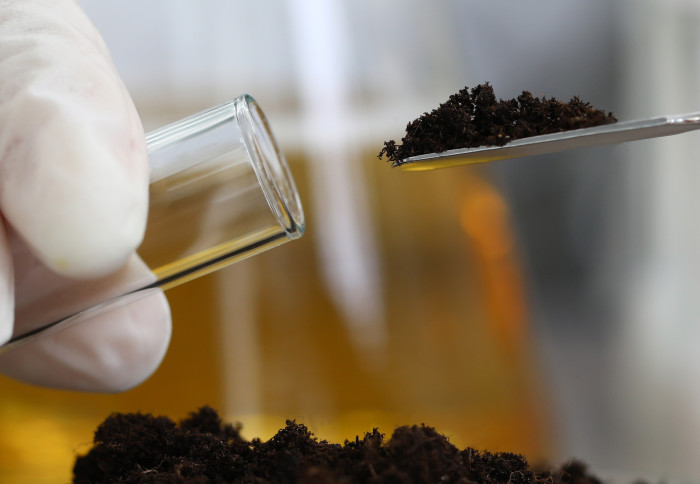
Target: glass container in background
[
  {"x": 452, "y": 346},
  {"x": 263, "y": 340}
]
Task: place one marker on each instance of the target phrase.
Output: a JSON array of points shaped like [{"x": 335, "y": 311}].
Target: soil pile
[{"x": 141, "y": 448}]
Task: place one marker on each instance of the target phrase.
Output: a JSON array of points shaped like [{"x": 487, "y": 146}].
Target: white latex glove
[{"x": 73, "y": 196}]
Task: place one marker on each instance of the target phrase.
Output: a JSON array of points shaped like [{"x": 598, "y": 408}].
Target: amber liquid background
[{"x": 263, "y": 341}]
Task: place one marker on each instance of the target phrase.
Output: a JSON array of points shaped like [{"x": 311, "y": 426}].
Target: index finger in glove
[{"x": 73, "y": 160}]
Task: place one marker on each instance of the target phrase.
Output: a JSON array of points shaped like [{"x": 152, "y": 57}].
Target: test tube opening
[{"x": 270, "y": 167}]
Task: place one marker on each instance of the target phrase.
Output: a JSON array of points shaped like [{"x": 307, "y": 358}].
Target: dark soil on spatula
[{"x": 474, "y": 118}]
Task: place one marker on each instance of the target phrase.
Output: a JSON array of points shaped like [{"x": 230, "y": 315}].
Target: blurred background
[{"x": 546, "y": 306}]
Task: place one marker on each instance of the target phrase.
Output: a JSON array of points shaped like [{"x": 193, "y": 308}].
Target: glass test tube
[{"x": 220, "y": 191}]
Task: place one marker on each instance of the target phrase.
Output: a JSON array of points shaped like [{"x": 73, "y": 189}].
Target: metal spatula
[{"x": 551, "y": 143}]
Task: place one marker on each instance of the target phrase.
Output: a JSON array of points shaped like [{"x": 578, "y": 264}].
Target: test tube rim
[{"x": 286, "y": 205}]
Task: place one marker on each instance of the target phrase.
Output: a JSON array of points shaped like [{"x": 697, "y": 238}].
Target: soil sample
[
  {"x": 470, "y": 119},
  {"x": 141, "y": 448}
]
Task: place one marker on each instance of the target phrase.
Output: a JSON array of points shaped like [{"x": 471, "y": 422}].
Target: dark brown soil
[
  {"x": 470, "y": 119},
  {"x": 141, "y": 448}
]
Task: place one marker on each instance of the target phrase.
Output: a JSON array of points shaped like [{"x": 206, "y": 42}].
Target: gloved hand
[{"x": 73, "y": 196}]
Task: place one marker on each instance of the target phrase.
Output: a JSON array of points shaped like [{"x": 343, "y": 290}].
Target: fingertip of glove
[
  {"x": 113, "y": 351},
  {"x": 151, "y": 329}
]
